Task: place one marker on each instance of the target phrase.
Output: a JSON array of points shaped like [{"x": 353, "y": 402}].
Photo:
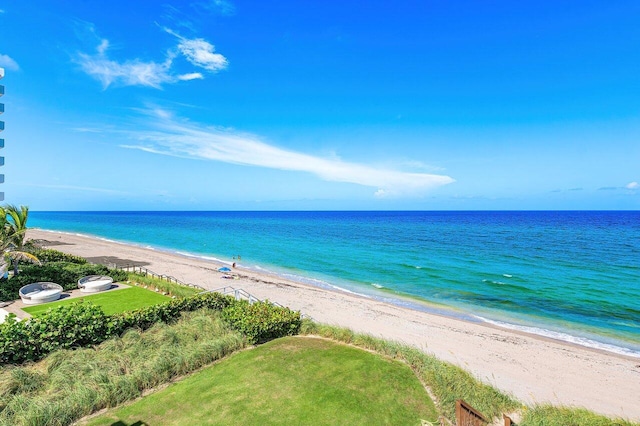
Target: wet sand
[{"x": 531, "y": 368}]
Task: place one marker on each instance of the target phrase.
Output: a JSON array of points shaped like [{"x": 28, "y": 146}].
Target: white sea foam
[
  {"x": 318, "y": 283},
  {"x": 507, "y": 275},
  {"x": 377, "y": 285},
  {"x": 202, "y": 257},
  {"x": 557, "y": 335},
  {"x": 493, "y": 282}
]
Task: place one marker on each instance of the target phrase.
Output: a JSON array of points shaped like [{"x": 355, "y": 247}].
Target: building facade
[{"x": 1, "y": 130}]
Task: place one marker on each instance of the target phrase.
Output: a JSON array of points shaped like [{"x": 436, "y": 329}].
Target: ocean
[{"x": 570, "y": 275}]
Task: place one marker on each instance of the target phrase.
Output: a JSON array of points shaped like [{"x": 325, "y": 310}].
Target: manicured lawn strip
[
  {"x": 111, "y": 302},
  {"x": 288, "y": 381},
  {"x": 447, "y": 382}
]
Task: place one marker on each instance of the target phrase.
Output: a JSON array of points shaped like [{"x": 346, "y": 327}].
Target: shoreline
[
  {"x": 408, "y": 301},
  {"x": 532, "y": 367}
]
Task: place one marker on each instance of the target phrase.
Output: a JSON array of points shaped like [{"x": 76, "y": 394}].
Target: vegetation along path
[{"x": 293, "y": 380}]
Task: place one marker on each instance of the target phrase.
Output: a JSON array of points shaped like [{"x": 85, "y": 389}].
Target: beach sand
[{"x": 531, "y": 368}]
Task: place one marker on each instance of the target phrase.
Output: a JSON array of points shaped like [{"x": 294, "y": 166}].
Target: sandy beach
[{"x": 531, "y": 368}]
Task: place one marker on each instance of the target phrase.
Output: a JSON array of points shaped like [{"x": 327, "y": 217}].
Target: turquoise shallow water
[{"x": 569, "y": 275}]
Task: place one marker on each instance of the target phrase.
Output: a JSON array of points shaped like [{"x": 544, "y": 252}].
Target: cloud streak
[
  {"x": 8, "y": 62},
  {"x": 129, "y": 73},
  {"x": 136, "y": 72},
  {"x": 170, "y": 136}
]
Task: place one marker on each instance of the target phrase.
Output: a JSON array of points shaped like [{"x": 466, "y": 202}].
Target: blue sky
[{"x": 233, "y": 105}]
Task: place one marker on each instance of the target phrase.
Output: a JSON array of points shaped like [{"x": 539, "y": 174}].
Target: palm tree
[{"x": 13, "y": 235}]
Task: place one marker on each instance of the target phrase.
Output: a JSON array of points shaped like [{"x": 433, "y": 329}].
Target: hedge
[
  {"x": 51, "y": 255},
  {"x": 66, "y": 274},
  {"x": 84, "y": 324},
  {"x": 261, "y": 321}
]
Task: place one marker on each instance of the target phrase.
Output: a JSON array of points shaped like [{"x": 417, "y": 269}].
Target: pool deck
[{"x": 15, "y": 307}]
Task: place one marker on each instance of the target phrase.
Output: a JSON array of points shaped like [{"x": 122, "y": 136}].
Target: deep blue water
[{"x": 570, "y": 275}]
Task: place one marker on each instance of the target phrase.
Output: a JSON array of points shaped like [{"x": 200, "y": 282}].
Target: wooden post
[{"x": 466, "y": 415}]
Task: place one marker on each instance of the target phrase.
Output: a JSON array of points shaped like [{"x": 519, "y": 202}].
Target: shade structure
[
  {"x": 94, "y": 283},
  {"x": 41, "y": 292}
]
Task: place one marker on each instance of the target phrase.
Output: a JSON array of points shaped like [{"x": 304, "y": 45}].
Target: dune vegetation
[{"x": 117, "y": 353}]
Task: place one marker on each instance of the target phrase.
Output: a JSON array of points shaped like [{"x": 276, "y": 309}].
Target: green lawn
[
  {"x": 287, "y": 381},
  {"x": 111, "y": 302}
]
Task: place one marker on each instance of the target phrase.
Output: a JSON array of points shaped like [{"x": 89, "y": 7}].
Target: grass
[
  {"x": 70, "y": 384},
  {"x": 165, "y": 286},
  {"x": 111, "y": 302},
  {"x": 446, "y": 381},
  {"x": 291, "y": 380},
  {"x": 547, "y": 415},
  {"x": 266, "y": 381}
]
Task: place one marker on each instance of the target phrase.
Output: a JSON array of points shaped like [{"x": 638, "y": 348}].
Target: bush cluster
[
  {"x": 82, "y": 324},
  {"x": 165, "y": 312},
  {"x": 70, "y": 384},
  {"x": 51, "y": 255},
  {"x": 261, "y": 321},
  {"x": 78, "y": 324},
  {"x": 64, "y": 273}
]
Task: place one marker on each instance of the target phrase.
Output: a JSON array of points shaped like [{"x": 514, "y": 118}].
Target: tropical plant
[{"x": 13, "y": 235}]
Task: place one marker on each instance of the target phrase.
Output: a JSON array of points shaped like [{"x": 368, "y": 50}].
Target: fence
[
  {"x": 466, "y": 415},
  {"x": 238, "y": 293},
  {"x": 144, "y": 271}
]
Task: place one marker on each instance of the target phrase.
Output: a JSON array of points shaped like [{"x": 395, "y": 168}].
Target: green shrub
[
  {"x": 262, "y": 321},
  {"x": 70, "y": 384},
  {"x": 78, "y": 324},
  {"x": 166, "y": 312},
  {"x": 51, "y": 255},
  {"x": 64, "y": 273},
  {"x": 84, "y": 324}
]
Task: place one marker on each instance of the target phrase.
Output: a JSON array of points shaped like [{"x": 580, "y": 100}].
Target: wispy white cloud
[
  {"x": 190, "y": 76},
  {"x": 202, "y": 54},
  {"x": 167, "y": 135},
  {"x": 632, "y": 185},
  {"x": 129, "y": 73},
  {"x": 8, "y": 62},
  {"x": 223, "y": 7},
  {"x": 199, "y": 52},
  {"x": 137, "y": 72}
]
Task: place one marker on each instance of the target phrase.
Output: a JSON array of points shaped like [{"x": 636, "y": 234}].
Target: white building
[{"x": 1, "y": 129}]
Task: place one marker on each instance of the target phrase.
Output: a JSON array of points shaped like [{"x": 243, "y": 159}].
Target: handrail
[
  {"x": 238, "y": 294},
  {"x": 148, "y": 272}
]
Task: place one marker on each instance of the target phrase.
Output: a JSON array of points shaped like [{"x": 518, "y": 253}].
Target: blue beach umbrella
[{"x": 224, "y": 269}]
